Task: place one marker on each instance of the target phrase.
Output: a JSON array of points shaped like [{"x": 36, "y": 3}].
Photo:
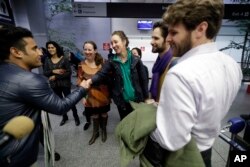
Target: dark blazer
[{"x": 25, "y": 93}]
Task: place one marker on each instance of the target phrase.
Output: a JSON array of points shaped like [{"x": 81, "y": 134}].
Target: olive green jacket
[{"x": 132, "y": 133}]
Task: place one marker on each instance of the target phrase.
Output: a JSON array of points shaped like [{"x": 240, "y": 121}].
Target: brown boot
[
  {"x": 95, "y": 130},
  {"x": 104, "y": 121}
]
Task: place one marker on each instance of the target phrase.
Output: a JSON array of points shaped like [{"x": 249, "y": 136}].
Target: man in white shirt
[{"x": 197, "y": 92}]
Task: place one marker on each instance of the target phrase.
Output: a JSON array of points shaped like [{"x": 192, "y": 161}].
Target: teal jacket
[{"x": 133, "y": 131}]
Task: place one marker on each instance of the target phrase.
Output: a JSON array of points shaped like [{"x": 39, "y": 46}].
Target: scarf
[{"x": 158, "y": 68}]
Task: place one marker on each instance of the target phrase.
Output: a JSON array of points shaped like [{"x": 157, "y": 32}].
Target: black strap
[{"x": 154, "y": 153}]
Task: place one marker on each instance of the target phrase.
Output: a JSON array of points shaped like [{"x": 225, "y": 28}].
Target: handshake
[{"x": 86, "y": 83}]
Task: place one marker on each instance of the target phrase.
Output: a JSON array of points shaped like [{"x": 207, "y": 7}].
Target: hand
[
  {"x": 149, "y": 101},
  {"x": 156, "y": 104},
  {"x": 84, "y": 102},
  {"x": 52, "y": 78},
  {"x": 85, "y": 84},
  {"x": 89, "y": 81},
  {"x": 59, "y": 71}
]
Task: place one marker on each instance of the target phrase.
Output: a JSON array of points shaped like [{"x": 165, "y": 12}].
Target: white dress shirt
[{"x": 195, "y": 96}]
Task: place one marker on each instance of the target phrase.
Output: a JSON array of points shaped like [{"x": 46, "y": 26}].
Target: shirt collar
[{"x": 198, "y": 50}]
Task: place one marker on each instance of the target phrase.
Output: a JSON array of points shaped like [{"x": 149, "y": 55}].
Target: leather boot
[
  {"x": 104, "y": 121},
  {"x": 95, "y": 130}
]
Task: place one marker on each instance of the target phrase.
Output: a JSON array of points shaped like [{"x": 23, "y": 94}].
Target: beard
[
  {"x": 157, "y": 49},
  {"x": 183, "y": 47}
]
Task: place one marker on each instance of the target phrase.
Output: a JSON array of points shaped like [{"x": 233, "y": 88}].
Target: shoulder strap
[{"x": 173, "y": 61}]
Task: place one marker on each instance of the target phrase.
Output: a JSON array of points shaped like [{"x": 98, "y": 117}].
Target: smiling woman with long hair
[
  {"x": 97, "y": 102},
  {"x": 57, "y": 69}
]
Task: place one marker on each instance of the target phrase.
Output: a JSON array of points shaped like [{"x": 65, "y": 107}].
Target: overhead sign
[
  {"x": 6, "y": 14},
  {"x": 236, "y": 1},
  {"x": 89, "y": 9},
  {"x": 235, "y": 10}
]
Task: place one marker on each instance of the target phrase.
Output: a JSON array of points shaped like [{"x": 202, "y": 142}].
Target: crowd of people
[{"x": 193, "y": 84}]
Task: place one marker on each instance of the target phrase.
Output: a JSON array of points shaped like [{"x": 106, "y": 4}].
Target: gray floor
[{"x": 72, "y": 141}]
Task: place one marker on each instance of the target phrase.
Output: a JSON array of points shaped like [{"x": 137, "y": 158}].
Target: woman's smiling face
[
  {"x": 117, "y": 44},
  {"x": 89, "y": 51}
]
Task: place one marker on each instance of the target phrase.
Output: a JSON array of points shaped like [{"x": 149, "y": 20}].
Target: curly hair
[{"x": 192, "y": 12}]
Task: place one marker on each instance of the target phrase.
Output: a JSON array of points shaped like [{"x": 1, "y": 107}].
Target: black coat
[{"x": 112, "y": 70}]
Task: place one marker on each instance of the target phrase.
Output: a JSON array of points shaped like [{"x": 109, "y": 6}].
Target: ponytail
[{"x": 98, "y": 59}]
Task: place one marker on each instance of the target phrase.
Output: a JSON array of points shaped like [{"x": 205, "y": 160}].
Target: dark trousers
[
  {"x": 124, "y": 110},
  {"x": 155, "y": 154},
  {"x": 87, "y": 113},
  {"x": 207, "y": 155},
  {"x": 63, "y": 92}
]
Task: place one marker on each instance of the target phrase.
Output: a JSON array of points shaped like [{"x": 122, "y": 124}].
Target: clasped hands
[{"x": 59, "y": 71}]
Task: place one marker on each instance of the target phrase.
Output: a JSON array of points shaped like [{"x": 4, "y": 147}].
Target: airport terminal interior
[{"x": 67, "y": 23}]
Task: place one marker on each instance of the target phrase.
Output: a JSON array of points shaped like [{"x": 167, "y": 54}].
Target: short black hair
[
  {"x": 11, "y": 36},
  {"x": 138, "y": 51},
  {"x": 163, "y": 27}
]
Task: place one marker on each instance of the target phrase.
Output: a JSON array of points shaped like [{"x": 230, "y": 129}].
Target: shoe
[
  {"x": 77, "y": 122},
  {"x": 57, "y": 156},
  {"x": 86, "y": 126},
  {"x": 63, "y": 122}
]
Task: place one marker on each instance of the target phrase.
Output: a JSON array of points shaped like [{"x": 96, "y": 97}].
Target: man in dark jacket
[{"x": 25, "y": 93}]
